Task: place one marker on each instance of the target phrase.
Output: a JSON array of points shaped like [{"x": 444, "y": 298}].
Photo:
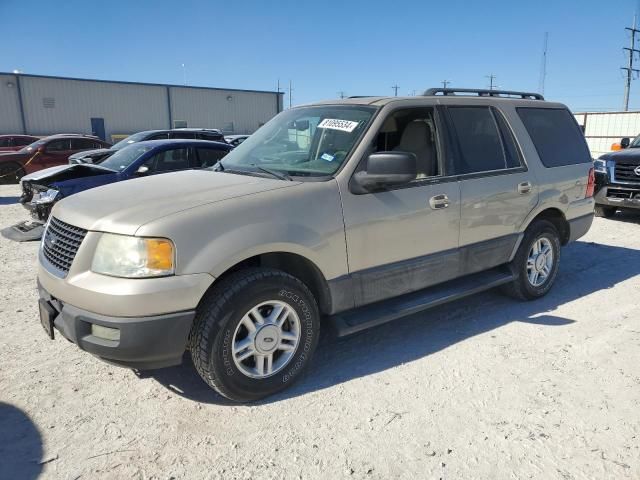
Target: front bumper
[
  {"x": 145, "y": 342},
  {"x": 619, "y": 196}
]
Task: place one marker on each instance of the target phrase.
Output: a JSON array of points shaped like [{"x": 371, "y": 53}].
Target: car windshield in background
[
  {"x": 32, "y": 147},
  {"x": 125, "y": 157},
  {"x": 136, "y": 137},
  {"x": 306, "y": 141},
  {"x": 635, "y": 143}
]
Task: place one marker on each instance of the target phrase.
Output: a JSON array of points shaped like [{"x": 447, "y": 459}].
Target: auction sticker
[{"x": 335, "y": 124}]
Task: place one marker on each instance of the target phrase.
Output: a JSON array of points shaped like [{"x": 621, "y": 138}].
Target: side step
[{"x": 368, "y": 316}]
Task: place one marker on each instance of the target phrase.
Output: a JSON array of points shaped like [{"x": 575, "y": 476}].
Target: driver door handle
[
  {"x": 438, "y": 202},
  {"x": 524, "y": 188}
]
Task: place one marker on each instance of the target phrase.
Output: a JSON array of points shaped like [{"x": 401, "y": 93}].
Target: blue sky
[{"x": 359, "y": 47}]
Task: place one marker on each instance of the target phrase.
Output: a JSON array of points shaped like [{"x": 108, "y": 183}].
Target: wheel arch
[{"x": 558, "y": 219}]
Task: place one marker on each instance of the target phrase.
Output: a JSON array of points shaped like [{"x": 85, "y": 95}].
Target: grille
[
  {"x": 625, "y": 172},
  {"x": 60, "y": 244},
  {"x": 622, "y": 193}
]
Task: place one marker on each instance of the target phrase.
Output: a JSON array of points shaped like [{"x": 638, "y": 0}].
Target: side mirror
[
  {"x": 383, "y": 170},
  {"x": 625, "y": 142},
  {"x": 142, "y": 170}
]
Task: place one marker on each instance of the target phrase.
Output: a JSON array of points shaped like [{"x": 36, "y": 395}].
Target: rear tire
[
  {"x": 536, "y": 262},
  {"x": 10, "y": 173},
  {"x": 254, "y": 333},
  {"x": 606, "y": 212}
]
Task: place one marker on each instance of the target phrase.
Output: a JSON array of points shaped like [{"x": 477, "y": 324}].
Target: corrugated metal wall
[
  {"x": 61, "y": 105},
  {"x": 601, "y": 129},
  {"x": 10, "y": 121}
]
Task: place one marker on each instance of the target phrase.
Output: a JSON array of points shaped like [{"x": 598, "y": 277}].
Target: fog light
[{"x": 106, "y": 333}]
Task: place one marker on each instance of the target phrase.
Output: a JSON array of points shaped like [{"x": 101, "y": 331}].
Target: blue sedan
[{"x": 41, "y": 190}]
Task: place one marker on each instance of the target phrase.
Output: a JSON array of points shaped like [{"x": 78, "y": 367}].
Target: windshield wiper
[{"x": 274, "y": 173}]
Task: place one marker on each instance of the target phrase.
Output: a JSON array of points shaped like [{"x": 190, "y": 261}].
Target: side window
[
  {"x": 81, "y": 144},
  {"x": 4, "y": 142},
  {"x": 556, "y": 136},
  {"x": 412, "y": 130},
  {"x": 22, "y": 141},
  {"x": 207, "y": 157},
  {"x": 481, "y": 148},
  {"x": 178, "y": 134},
  {"x": 58, "y": 145},
  {"x": 514, "y": 158},
  {"x": 169, "y": 160},
  {"x": 158, "y": 136},
  {"x": 214, "y": 137}
]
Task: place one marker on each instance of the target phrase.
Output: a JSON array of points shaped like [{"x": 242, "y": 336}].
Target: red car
[
  {"x": 48, "y": 152},
  {"x": 10, "y": 143}
]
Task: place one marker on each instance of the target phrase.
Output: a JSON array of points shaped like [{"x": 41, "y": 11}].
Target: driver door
[{"x": 404, "y": 239}]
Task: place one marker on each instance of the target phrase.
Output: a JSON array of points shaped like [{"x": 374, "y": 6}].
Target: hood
[
  {"x": 628, "y": 154},
  {"x": 124, "y": 207},
  {"x": 13, "y": 156},
  {"x": 69, "y": 171}
]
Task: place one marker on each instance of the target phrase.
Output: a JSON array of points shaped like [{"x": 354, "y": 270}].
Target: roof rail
[{"x": 482, "y": 93}]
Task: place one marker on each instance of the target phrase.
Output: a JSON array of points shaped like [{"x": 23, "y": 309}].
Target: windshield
[
  {"x": 306, "y": 141},
  {"x": 32, "y": 147},
  {"x": 125, "y": 157},
  {"x": 136, "y": 137},
  {"x": 635, "y": 143}
]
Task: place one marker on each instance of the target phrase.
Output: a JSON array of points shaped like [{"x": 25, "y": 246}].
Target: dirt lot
[{"x": 483, "y": 388}]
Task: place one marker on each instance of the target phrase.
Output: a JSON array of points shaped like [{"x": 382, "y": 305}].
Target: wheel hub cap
[
  {"x": 540, "y": 261},
  {"x": 266, "y": 339}
]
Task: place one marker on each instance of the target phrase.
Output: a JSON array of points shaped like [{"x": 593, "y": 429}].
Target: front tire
[
  {"x": 536, "y": 262},
  {"x": 254, "y": 333},
  {"x": 606, "y": 212}
]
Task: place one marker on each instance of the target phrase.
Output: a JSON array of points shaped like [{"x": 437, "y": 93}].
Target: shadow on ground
[
  {"x": 9, "y": 200},
  {"x": 585, "y": 268},
  {"x": 20, "y": 445}
]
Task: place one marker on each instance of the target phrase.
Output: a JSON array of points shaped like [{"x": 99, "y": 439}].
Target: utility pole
[
  {"x": 629, "y": 68},
  {"x": 341, "y": 93},
  {"x": 445, "y": 83},
  {"x": 543, "y": 67},
  {"x": 278, "y": 98},
  {"x": 491, "y": 78},
  {"x": 290, "y": 91},
  {"x": 395, "y": 88}
]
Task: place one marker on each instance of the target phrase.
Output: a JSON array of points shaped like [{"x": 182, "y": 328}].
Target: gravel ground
[{"x": 483, "y": 388}]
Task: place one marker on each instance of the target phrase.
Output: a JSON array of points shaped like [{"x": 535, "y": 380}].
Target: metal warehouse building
[{"x": 43, "y": 105}]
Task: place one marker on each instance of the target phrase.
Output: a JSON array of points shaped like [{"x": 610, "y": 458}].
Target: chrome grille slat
[
  {"x": 626, "y": 172},
  {"x": 60, "y": 244}
]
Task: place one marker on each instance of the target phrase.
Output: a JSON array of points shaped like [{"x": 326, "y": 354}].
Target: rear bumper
[
  {"x": 145, "y": 342},
  {"x": 619, "y": 196},
  {"x": 579, "y": 226}
]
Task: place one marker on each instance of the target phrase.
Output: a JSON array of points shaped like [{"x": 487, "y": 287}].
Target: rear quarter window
[{"x": 556, "y": 136}]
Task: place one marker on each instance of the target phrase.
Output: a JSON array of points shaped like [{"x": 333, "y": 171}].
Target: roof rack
[{"x": 482, "y": 93}]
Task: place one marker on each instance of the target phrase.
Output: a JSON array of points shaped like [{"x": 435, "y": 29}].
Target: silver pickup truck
[{"x": 346, "y": 213}]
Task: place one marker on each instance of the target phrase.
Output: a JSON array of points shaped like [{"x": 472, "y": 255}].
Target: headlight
[
  {"x": 133, "y": 257},
  {"x": 600, "y": 166},
  {"x": 46, "y": 197}
]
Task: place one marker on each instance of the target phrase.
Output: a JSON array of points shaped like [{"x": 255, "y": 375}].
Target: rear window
[{"x": 556, "y": 136}]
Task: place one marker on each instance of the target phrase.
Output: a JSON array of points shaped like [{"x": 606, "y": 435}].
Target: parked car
[
  {"x": 99, "y": 155},
  {"x": 235, "y": 140},
  {"x": 388, "y": 206},
  {"x": 41, "y": 190},
  {"x": 618, "y": 179},
  {"x": 11, "y": 143},
  {"x": 44, "y": 153}
]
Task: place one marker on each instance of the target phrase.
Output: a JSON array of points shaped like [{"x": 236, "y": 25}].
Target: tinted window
[
  {"x": 21, "y": 141},
  {"x": 190, "y": 135},
  {"x": 207, "y": 157},
  {"x": 480, "y": 144},
  {"x": 556, "y": 136},
  {"x": 511, "y": 152},
  {"x": 82, "y": 144},
  {"x": 158, "y": 136},
  {"x": 58, "y": 145},
  {"x": 216, "y": 137},
  {"x": 177, "y": 159},
  {"x": 4, "y": 142}
]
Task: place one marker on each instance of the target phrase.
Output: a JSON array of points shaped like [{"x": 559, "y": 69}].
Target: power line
[
  {"x": 629, "y": 68},
  {"x": 395, "y": 88},
  {"x": 341, "y": 93}
]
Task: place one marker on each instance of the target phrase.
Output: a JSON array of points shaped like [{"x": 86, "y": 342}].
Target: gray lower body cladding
[{"x": 145, "y": 342}]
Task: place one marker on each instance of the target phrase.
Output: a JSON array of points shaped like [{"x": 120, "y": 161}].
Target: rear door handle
[
  {"x": 524, "y": 188},
  {"x": 438, "y": 202}
]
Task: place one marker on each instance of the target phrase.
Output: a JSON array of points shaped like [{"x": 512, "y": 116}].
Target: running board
[{"x": 368, "y": 316}]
